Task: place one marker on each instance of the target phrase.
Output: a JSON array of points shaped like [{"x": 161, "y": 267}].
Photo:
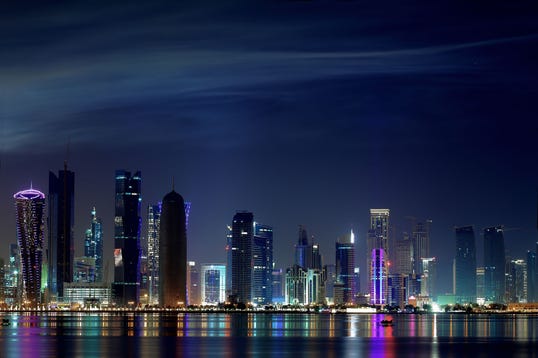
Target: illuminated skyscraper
[
  {"x": 262, "y": 260},
  {"x": 429, "y": 277},
  {"x": 532, "y": 294},
  {"x": 345, "y": 265},
  {"x": 307, "y": 254},
  {"x": 378, "y": 278},
  {"x": 242, "y": 235},
  {"x": 154, "y": 222},
  {"x": 173, "y": 252},
  {"x": 421, "y": 244},
  {"x": 193, "y": 284},
  {"x": 30, "y": 206},
  {"x": 494, "y": 264},
  {"x": 61, "y": 221},
  {"x": 127, "y": 222},
  {"x": 465, "y": 265},
  {"x": 517, "y": 281},
  {"x": 213, "y": 284},
  {"x": 377, "y": 244},
  {"x": 93, "y": 245}
]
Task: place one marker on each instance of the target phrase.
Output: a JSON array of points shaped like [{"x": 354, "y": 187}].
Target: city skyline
[{"x": 304, "y": 113}]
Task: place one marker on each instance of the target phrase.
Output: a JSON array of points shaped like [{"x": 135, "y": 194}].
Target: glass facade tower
[
  {"x": 242, "y": 235},
  {"x": 127, "y": 222},
  {"x": 262, "y": 260},
  {"x": 465, "y": 265},
  {"x": 345, "y": 266},
  {"x": 93, "y": 245},
  {"x": 61, "y": 248},
  {"x": 494, "y": 264}
]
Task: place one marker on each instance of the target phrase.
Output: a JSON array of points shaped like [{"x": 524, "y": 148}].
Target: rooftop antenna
[{"x": 66, "y": 154}]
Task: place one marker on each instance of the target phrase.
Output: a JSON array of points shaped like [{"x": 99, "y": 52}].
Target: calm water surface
[{"x": 267, "y": 335}]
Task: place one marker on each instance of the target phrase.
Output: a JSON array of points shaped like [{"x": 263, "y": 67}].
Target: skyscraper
[
  {"x": 345, "y": 265},
  {"x": 242, "y": 235},
  {"x": 301, "y": 249},
  {"x": 421, "y": 244},
  {"x": 465, "y": 265},
  {"x": 531, "y": 277},
  {"x": 93, "y": 245},
  {"x": 173, "y": 252},
  {"x": 193, "y": 284},
  {"x": 377, "y": 244},
  {"x": 429, "y": 277},
  {"x": 154, "y": 223},
  {"x": 61, "y": 221},
  {"x": 30, "y": 207},
  {"x": 213, "y": 284},
  {"x": 378, "y": 278},
  {"x": 307, "y": 254},
  {"x": 262, "y": 260},
  {"x": 127, "y": 222},
  {"x": 494, "y": 264}
]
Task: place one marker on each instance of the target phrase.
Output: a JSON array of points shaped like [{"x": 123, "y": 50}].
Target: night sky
[{"x": 303, "y": 112}]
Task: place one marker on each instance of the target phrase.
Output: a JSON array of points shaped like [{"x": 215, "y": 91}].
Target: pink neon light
[{"x": 29, "y": 194}]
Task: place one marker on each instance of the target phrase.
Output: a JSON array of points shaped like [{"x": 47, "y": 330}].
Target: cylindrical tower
[
  {"x": 173, "y": 252},
  {"x": 30, "y": 206}
]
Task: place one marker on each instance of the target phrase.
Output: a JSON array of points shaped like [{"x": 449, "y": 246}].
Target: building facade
[
  {"x": 173, "y": 252},
  {"x": 127, "y": 224},
  {"x": 345, "y": 266},
  {"x": 378, "y": 278},
  {"x": 242, "y": 236},
  {"x": 494, "y": 265},
  {"x": 93, "y": 245},
  {"x": 154, "y": 223},
  {"x": 377, "y": 248},
  {"x": 262, "y": 260},
  {"x": 465, "y": 265},
  {"x": 60, "y": 250},
  {"x": 30, "y": 210},
  {"x": 213, "y": 283}
]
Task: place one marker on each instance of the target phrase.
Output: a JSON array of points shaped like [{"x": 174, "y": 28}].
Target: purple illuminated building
[
  {"x": 30, "y": 206},
  {"x": 378, "y": 280}
]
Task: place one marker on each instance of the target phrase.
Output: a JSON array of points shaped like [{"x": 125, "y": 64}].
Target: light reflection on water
[{"x": 155, "y": 334}]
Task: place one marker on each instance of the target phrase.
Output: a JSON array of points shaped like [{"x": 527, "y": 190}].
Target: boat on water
[
  {"x": 5, "y": 322},
  {"x": 386, "y": 323}
]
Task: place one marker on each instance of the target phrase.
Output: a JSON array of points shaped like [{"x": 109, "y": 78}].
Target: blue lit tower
[
  {"x": 465, "y": 265},
  {"x": 173, "y": 252},
  {"x": 494, "y": 264},
  {"x": 242, "y": 235},
  {"x": 262, "y": 260},
  {"x": 127, "y": 222},
  {"x": 61, "y": 223},
  {"x": 30, "y": 207},
  {"x": 93, "y": 245},
  {"x": 345, "y": 266}
]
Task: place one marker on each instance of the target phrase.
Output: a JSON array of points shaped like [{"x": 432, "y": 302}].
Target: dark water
[{"x": 267, "y": 335}]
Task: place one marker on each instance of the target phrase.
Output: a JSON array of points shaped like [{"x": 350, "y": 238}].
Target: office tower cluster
[
  {"x": 152, "y": 268},
  {"x": 48, "y": 273}
]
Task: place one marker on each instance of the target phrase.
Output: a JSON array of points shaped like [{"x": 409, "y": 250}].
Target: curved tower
[
  {"x": 30, "y": 206},
  {"x": 173, "y": 252}
]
